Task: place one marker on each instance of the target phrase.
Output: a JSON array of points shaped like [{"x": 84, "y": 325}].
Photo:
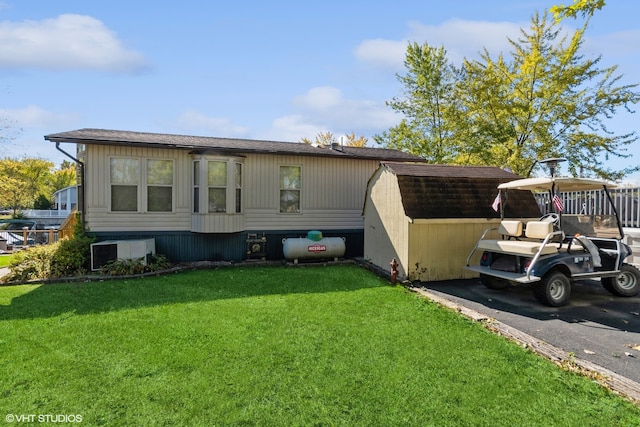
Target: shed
[{"x": 429, "y": 217}]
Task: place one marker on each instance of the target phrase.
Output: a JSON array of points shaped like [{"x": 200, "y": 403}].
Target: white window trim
[{"x": 142, "y": 186}]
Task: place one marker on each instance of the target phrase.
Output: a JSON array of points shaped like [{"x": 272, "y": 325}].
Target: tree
[
  {"x": 547, "y": 100},
  {"x": 426, "y": 129},
  {"x": 42, "y": 202},
  {"x": 14, "y": 191},
  {"x": 62, "y": 178},
  {"x": 23, "y": 180},
  {"x": 328, "y": 139},
  {"x": 586, "y": 8},
  {"x": 36, "y": 173}
]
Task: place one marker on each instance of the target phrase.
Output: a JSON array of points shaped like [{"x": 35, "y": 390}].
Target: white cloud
[
  {"x": 193, "y": 120},
  {"x": 382, "y": 53},
  {"x": 327, "y": 105},
  {"x": 293, "y": 128},
  {"x": 66, "y": 42},
  {"x": 325, "y": 109},
  {"x": 617, "y": 45},
  {"x": 460, "y": 38},
  {"x": 33, "y": 116}
]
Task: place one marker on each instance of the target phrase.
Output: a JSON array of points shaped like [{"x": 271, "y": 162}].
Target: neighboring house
[
  {"x": 205, "y": 198},
  {"x": 429, "y": 217},
  {"x": 65, "y": 200}
]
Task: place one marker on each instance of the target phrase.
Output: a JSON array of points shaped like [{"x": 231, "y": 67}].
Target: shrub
[
  {"x": 32, "y": 264},
  {"x": 42, "y": 202},
  {"x": 127, "y": 267},
  {"x": 159, "y": 262},
  {"x": 18, "y": 215},
  {"x": 73, "y": 256}
]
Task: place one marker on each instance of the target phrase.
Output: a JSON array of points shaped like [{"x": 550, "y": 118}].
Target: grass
[
  {"x": 274, "y": 346},
  {"x": 5, "y": 260}
]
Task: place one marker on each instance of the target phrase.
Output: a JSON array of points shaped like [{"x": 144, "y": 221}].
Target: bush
[
  {"x": 127, "y": 267},
  {"x": 42, "y": 203},
  {"x": 73, "y": 256},
  {"x": 32, "y": 264},
  {"x": 18, "y": 215}
]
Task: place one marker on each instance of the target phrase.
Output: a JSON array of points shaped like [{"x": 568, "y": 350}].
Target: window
[
  {"x": 159, "y": 185},
  {"x": 290, "y": 189},
  {"x": 124, "y": 175},
  {"x": 128, "y": 195},
  {"x": 196, "y": 186},
  {"x": 217, "y": 180},
  {"x": 238, "y": 170},
  {"x": 217, "y": 185}
]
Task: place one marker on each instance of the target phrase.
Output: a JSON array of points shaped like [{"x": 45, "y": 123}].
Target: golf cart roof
[{"x": 561, "y": 183}]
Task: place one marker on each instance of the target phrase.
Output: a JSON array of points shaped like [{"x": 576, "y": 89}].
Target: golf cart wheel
[
  {"x": 553, "y": 290},
  {"x": 493, "y": 283},
  {"x": 625, "y": 284}
]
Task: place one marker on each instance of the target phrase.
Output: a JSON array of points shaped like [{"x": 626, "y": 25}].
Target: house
[
  {"x": 66, "y": 199},
  {"x": 205, "y": 198},
  {"x": 429, "y": 217}
]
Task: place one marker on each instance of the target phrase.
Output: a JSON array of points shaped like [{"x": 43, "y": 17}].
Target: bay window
[{"x": 217, "y": 185}]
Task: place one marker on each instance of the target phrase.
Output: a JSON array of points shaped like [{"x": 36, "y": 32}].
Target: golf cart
[{"x": 558, "y": 248}]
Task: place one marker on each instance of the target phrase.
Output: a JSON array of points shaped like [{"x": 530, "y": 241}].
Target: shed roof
[
  {"x": 206, "y": 144},
  {"x": 447, "y": 191}
]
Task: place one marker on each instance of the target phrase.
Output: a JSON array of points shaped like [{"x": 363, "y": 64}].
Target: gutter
[{"x": 81, "y": 197}]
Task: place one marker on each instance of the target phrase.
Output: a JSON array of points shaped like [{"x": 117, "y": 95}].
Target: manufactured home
[
  {"x": 429, "y": 217},
  {"x": 206, "y": 198}
]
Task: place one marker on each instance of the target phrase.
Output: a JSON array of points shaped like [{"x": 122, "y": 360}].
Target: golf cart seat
[{"x": 542, "y": 231}]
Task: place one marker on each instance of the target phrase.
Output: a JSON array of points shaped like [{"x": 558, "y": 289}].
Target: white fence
[
  {"x": 49, "y": 213},
  {"x": 625, "y": 200}
]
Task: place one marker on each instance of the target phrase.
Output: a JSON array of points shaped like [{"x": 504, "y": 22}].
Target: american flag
[{"x": 557, "y": 202}]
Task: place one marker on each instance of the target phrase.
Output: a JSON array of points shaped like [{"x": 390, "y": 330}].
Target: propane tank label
[{"x": 317, "y": 248}]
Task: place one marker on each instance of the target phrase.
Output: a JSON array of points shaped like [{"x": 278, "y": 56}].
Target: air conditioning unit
[{"x": 111, "y": 250}]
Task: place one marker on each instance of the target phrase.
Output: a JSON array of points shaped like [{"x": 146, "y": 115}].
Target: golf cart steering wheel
[{"x": 551, "y": 217}]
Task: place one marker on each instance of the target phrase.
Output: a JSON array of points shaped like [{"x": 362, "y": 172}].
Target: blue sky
[{"x": 275, "y": 70}]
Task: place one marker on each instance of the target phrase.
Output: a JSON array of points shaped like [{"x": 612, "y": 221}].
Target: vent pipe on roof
[{"x": 337, "y": 146}]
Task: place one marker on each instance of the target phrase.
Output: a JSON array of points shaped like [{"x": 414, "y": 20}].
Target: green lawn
[
  {"x": 4, "y": 260},
  {"x": 275, "y": 346}
]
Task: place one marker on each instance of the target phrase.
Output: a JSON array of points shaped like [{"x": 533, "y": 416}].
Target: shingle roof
[
  {"x": 445, "y": 191},
  {"x": 226, "y": 145}
]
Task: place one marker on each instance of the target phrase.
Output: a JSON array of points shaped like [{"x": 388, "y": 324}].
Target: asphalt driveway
[{"x": 595, "y": 325}]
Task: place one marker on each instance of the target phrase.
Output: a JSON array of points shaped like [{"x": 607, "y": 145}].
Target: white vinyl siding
[
  {"x": 332, "y": 193},
  {"x": 98, "y": 194}
]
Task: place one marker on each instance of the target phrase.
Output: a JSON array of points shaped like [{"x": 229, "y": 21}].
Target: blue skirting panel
[{"x": 180, "y": 246}]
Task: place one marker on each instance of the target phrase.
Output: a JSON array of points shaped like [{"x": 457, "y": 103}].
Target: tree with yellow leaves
[
  {"x": 544, "y": 100},
  {"x": 328, "y": 139}
]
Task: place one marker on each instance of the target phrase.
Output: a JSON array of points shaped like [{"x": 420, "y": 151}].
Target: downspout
[{"x": 81, "y": 192}]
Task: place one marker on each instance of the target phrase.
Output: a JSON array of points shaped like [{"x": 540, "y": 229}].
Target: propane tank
[{"x": 304, "y": 248}]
